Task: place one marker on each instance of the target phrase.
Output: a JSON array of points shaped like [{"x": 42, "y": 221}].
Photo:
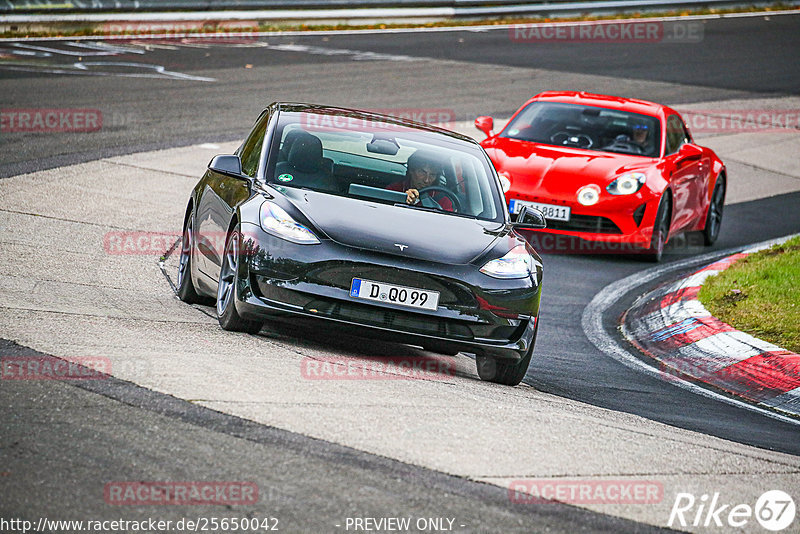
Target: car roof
[
  {"x": 605, "y": 101},
  {"x": 297, "y": 107}
]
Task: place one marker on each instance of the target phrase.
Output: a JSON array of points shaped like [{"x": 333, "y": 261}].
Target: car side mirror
[
  {"x": 485, "y": 124},
  {"x": 228, "y": 164},
  {"x": 530, "y": 218},
  {"x": 690, "y": 151}
]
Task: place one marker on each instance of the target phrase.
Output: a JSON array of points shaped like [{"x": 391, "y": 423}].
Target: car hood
[
  {"x": 380, "y": 227},
  {"x": 549, "y": 169}
]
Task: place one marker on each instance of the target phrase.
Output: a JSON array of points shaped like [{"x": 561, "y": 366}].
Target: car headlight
[
  {"x": 517, "y": 263},
  {"x": 505, "y": 181},
  {"x": 274, "y": 220},
  {"x": 627, "y": 184},
  {"x": 588, "y": 195}
]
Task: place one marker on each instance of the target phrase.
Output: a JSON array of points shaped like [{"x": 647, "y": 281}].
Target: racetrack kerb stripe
[{"x": 670, "y": 325}]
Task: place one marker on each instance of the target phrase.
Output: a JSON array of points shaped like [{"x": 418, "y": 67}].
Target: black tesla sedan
[{"x": 365, "y": 221}]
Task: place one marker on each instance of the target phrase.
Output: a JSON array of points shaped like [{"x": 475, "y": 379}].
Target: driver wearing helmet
[
  {"x": 422, "y": 170},
  {"x": 640, "y": 132}
]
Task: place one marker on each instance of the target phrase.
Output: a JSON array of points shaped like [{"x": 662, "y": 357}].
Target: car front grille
[{"x": 585, "y": 223}]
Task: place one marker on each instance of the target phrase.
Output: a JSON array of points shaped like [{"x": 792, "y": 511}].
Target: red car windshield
[{"x": 586, "y": 127}]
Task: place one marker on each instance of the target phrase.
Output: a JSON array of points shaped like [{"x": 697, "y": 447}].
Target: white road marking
[
  {"x": 161, "y": 72},
  {"x": 63, "y": 52},
  {"x": 83, "y": 68},
  {"x": 356, "y": 55},
  {"x": 115, "y": 48}
]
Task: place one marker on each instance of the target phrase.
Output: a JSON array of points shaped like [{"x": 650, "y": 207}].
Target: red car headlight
[
  {"x": 588, "y": 195},
  {"x": 505, "y": 180},
  {"x": 627, "y": 184}
]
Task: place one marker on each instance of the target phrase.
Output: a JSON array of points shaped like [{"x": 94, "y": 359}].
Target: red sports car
[{"x": 610, "y": 173}]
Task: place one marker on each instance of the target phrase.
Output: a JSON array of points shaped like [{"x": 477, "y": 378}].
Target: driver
[
  {"x": 640, "y": 132},
  {"x": 638, "y": 140},
  {"x": 422, "y": 170}
]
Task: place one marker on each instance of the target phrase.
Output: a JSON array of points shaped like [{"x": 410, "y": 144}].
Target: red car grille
[{"x": 585, "y": 223}]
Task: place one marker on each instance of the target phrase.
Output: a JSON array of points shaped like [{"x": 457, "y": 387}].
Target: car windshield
[
  {"x": 358, "y": 156},
  {"x": 587, "y": 127}
]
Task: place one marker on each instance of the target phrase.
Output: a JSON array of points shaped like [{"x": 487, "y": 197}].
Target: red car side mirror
[
  {"x": 485, "y": 124},
  {"x": 689, "y": 151}
]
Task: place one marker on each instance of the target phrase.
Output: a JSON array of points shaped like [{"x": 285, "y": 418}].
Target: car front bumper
[{"x": 476, "y": 313}]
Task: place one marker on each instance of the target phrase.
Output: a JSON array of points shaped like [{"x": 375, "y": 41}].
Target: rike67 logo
[{"x": 774, "y": 510}]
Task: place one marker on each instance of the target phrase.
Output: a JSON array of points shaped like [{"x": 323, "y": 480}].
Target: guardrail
[
  {"x": 455, "y": 8},
  {"x": 21, "y": 15},
  {"x": 88, "y": 6}
]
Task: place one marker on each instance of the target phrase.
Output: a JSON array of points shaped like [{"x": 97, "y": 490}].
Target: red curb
[
  {"x": 764, "y": 376},
  {"x": 672, "y": 339}
]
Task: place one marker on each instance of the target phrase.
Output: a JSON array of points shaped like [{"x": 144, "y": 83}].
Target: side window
[
  {"x": 250, "y": 151},
  {"x": 676, "y": 134}
]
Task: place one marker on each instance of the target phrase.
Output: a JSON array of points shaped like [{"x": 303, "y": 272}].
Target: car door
[
  {"x": 684, "y": 165},
  {"x": 221, "y": 194}
]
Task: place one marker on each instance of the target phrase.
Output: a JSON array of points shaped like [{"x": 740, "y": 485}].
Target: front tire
[
  {"x": 660, "y": 231},
  {"x": 506, "y": 372},
  {"x": 229, "y": 318},
  {"x": 186, "y": 290},
  {"x": 714, "y": 215}
]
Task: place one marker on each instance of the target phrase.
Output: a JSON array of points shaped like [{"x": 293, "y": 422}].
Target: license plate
[
  {"x": 550, "y": 211},
  {"x": 400, "y": 295}
]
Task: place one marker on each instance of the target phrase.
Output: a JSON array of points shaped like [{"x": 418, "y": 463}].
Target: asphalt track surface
[{"x": 738, "y": 58}]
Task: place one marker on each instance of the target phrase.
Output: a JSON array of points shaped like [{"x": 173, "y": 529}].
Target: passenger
[{"x": 422, "y": 170}]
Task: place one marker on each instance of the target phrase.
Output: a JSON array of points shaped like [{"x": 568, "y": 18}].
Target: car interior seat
[{"x": 304, "y": 162}]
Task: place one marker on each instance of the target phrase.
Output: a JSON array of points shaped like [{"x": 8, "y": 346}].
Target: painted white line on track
[
  {"x": 592, "y": 324},
  {"x": 84, "y": 69},
  {"x": 356, "y": 55},
  {"x": 369, "y": 31}
]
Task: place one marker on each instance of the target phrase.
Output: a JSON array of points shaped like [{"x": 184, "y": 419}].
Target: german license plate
[
  {"x": 400, "y": 295},
  {"x": 550, "y": 211}
]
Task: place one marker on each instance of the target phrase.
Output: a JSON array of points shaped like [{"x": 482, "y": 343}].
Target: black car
[{"x": 320, "y": 215}]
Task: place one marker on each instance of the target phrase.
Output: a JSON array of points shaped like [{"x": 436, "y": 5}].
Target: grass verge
[{"x": 760, "y": 295}]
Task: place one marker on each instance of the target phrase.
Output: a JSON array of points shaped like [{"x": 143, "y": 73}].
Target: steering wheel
[
  {"x": 446, "y": 192},
  {"x": 625, "y": 143},
  {"x": 571, "y": 139}
]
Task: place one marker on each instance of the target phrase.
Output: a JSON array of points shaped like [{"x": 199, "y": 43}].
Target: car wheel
[
  {"x": 660, "y": 231},
  {"x": 499, "y": 371},
  {"x": 229, "y": 318},
  {"x": 506, "y": 372},
  {"x": 186, "y": 290},
  {"x": 714, "y": 215}
]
